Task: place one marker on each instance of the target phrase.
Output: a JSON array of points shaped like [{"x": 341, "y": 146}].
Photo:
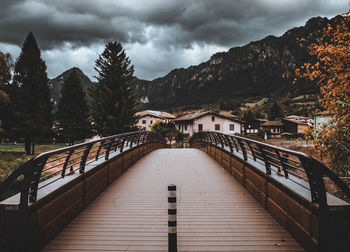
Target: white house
[
  {"x": 322, "y": 118},
  {"x": 147, "y": 117},
  {"x": 208, "y": 121}
]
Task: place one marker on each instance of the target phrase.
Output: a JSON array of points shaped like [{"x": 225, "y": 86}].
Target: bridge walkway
[{"x": 215, "y": 213}]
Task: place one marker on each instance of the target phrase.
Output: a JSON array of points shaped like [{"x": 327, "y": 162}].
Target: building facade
[
  {"x": 273, "y": 128},
  {"x": 295, "y": 127},
  {"x": 252, "y": 126},
  {"x": 321, "y": 119},
  {"x": 208, "y": 121},
  {"x": 146, "y": 118}
]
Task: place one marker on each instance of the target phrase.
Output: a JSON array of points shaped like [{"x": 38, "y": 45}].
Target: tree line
[{"x": 26, "y": 107}]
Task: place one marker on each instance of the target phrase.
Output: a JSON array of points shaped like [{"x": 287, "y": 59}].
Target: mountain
[
  {"x": 259, "y": 71},
  {"x": 56, "y": 84}
]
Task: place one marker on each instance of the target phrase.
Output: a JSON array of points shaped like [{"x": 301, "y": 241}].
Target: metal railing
[
  {"x": 52, "y": 166},
  {"x": 297, "y": 169}
]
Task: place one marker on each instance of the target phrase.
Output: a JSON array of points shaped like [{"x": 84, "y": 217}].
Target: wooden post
[{"x": 172, "y": 232}]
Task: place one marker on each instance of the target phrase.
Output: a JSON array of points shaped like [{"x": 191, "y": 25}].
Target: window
[
  {"x": 185, "y": 126},
  {"x": 200, "y": 127},
  {"x": 217, "y": 126},
  {"x": 150, "y": 122},
  {"x": 213, "y": 118},
  {"x": 255, "y": 130},
  {"x": 275, "y": 130},
  {"x": 143, "y": 121},
  {"x": 232, "y": 127}
]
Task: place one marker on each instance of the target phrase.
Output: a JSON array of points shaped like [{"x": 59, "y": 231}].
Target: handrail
[
  {"x": 294, "y": 166},
  {"x": 51, "y": 166}
]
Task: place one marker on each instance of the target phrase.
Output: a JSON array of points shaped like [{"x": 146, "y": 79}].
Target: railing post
[
  {"x": 215, "y": 138},
  {"x": 244, "y": 152},
  {"x": 230, "y": 143},
  {"x": 267, "y": 164},
  {"x": 315, "y": 177},
  {"x": 122, "y": 142},
  {"x": 36, "y": 169},
  {"x": 99, "y": 149},
  {"x": 234, "y": 140},
  {"x": 282, "y": 159},
  {"x": 84, "y": 158},
  {"x": 251, "y": 150},
  {"x": 172, "y": 230},
  {"x": 109, "y": 147},
  {"x": 23, "y": 203},
  {"x": 63, "y": 173},
  {"x": 319, "y": 200},
  {"x": 222, "y": 142},
  {"x": 140, "y": 139},
  {"x": 132, "y": 139}
]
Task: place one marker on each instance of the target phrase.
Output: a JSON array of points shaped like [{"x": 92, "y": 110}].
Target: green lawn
[
  {"x": 39, "y": 148},
  {"x": 258, "y": 103},
  {"x": 301, "y": 97},
  {"x": 9, "y": 162}
]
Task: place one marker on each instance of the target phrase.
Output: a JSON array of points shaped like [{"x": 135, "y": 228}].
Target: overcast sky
[{"x": 158, "y": 35}]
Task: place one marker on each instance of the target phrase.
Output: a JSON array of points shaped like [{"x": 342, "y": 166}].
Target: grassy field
[
  {"x": 301, "y": 97},
  {"x": 258, "y": 103},
  {"x": 39, "y": 148},
  {"x": 11, "y": 161}
]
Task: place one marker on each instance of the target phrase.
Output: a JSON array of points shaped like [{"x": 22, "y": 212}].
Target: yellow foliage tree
[{"x": 331, "y": 71}]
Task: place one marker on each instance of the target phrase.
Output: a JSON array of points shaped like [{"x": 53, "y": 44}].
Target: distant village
[{"x": 290, "y": 127}]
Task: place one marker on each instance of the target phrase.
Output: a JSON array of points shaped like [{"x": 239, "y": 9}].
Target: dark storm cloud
[
  {"x": 222, "y": 22},
  {"x": 161, "y": 28}
]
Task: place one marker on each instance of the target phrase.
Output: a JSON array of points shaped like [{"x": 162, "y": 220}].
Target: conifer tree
[
  {"x": 113, "y": 100},
  {"x": 248, "y": 116},
  {"x": 275, "y": 112},
  {"x": 73, "y": 112},
  {"x": 30, "y": 96},
  {"x": 5, "y": 77}
]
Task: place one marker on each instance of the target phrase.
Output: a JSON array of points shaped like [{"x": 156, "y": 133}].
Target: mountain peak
[
  {"x": 56, "y": 83},
  {"x": 260, "y": 69}
]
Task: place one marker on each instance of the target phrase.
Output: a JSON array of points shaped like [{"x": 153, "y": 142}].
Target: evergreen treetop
[
  {"x": 275, "y": 112},
  {"x": 73, "y": 112},
  {"x": 30, "y": 96},
  {"x": 5, "y": 77},
  {"x": 113, "y": 100}
]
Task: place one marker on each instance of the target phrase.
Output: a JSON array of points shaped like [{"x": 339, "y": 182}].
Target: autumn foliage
[{"x": 331, "y": 71}]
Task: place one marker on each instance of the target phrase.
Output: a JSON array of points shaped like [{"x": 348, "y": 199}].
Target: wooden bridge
[{"x": 232, "y": 195}]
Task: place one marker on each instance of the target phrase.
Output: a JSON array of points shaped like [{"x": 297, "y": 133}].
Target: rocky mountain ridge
[
  {"x": 263, "y": 68},
  {"x": 247, "y": 76},
  {"x": 57, "y": 83}
]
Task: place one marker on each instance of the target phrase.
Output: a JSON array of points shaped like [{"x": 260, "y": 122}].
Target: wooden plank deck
[{"x": 215, "y": 213}]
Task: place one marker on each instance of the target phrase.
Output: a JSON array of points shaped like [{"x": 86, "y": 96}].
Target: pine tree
[
  {"x": 113, "y": 100},
  {"x": 30, "y": 96},
  {"x": 73, "y": 112},
  {"x": 248, "y": 116},
  {"x": 5, "y": 78},
  {"x": 275, "y": 112}
]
